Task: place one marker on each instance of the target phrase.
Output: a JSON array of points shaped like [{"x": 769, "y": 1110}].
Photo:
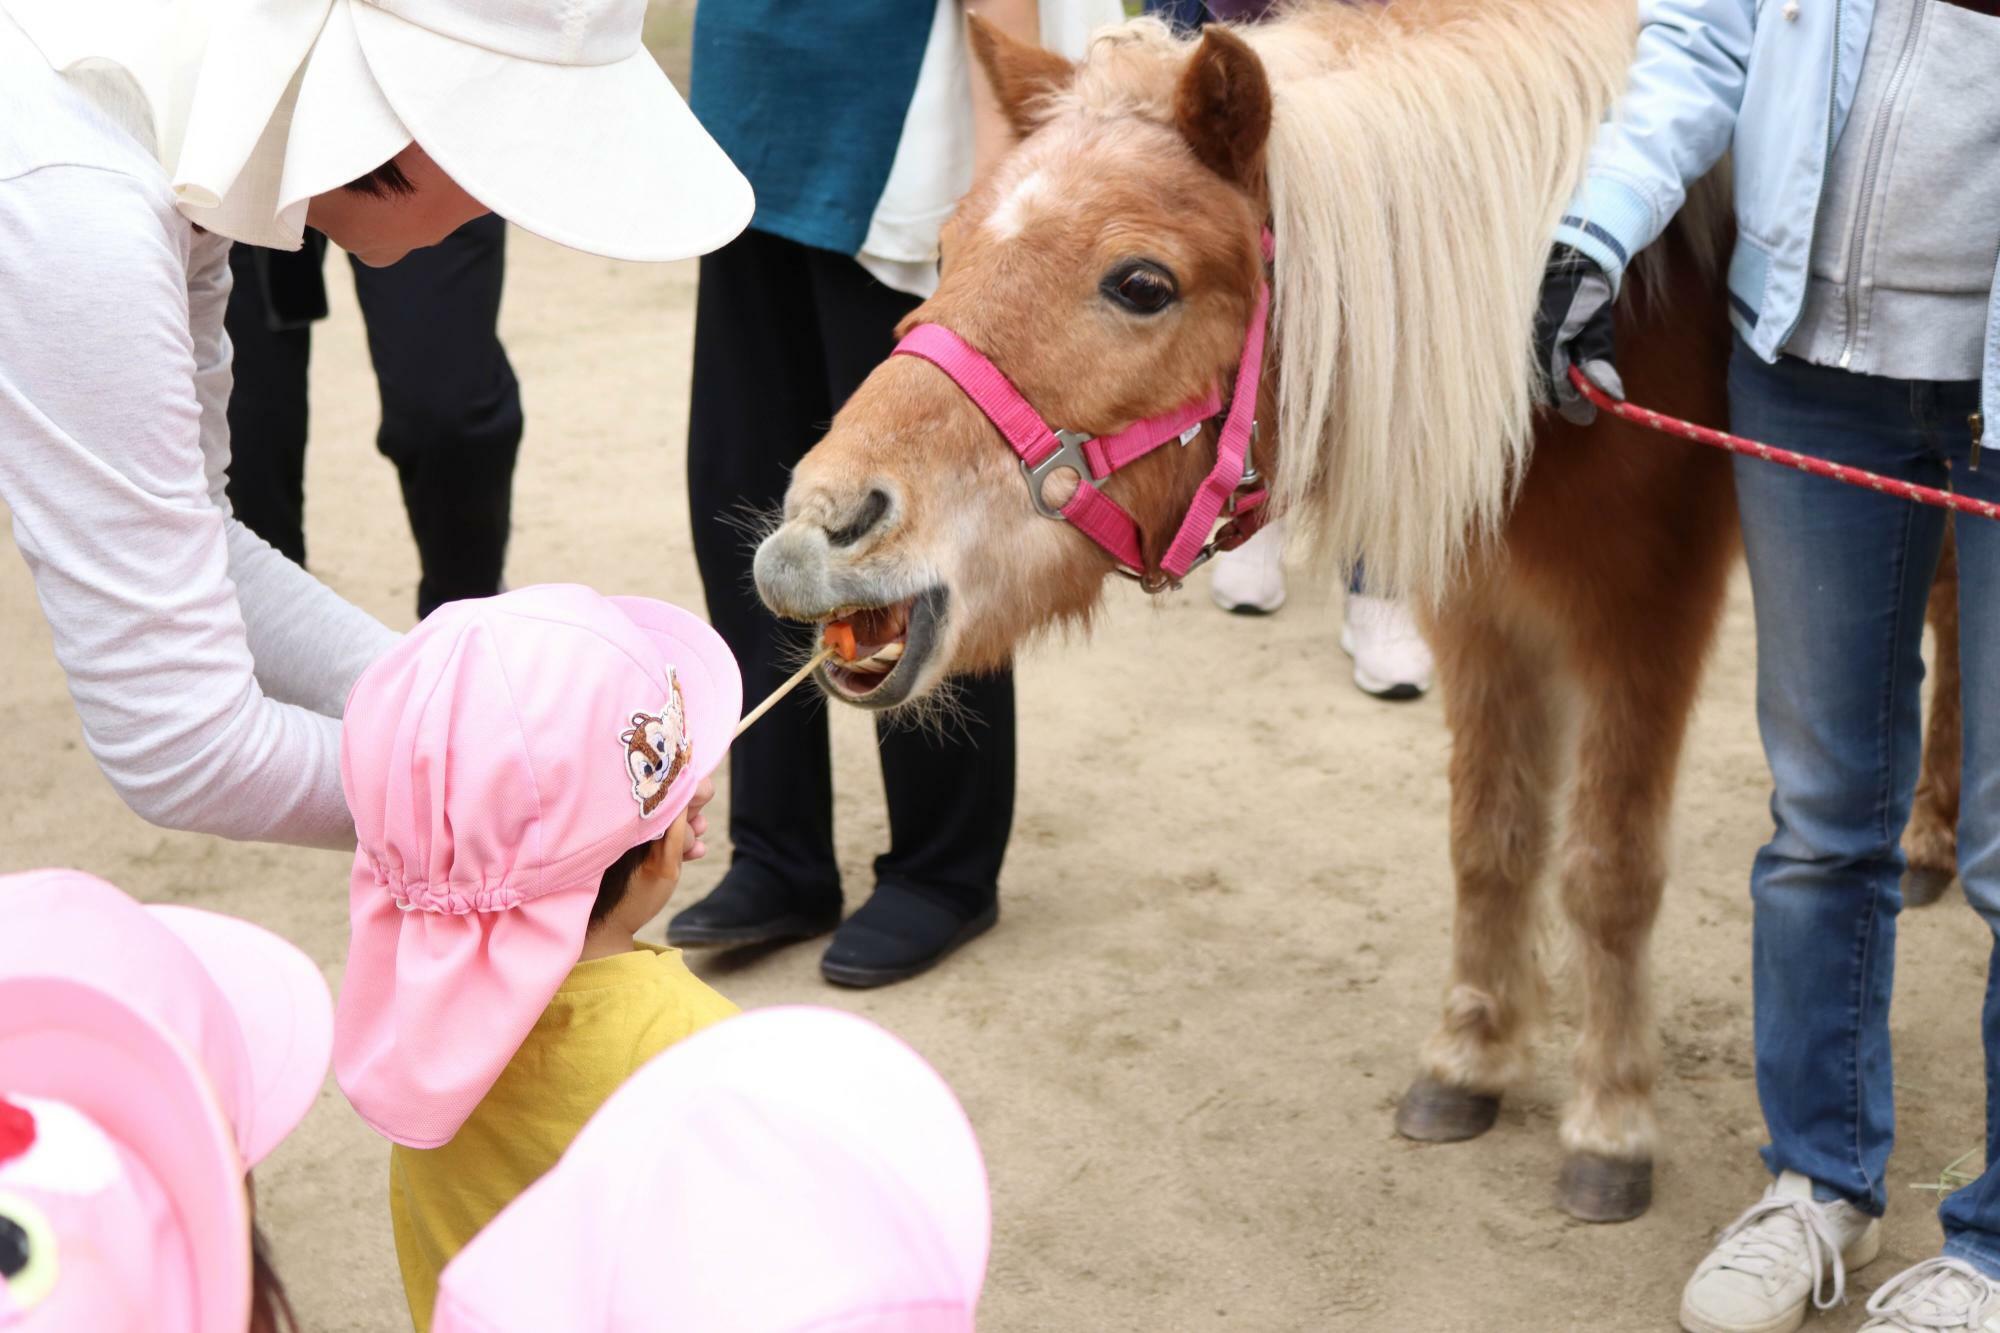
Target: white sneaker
[
  {"x": 1786, "y": 1250},
  {"x": 1937, "y": 1294},
  {"x": 1391, "y": 659},
  {"x": 1250, "y": 580}
]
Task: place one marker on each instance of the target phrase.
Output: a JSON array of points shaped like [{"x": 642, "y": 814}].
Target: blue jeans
[{"x": 1840, "y": 576}]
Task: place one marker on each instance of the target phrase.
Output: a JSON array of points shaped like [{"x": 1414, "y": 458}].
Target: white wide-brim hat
[
  {"x": 554, "y": 116},
  {"x": 557, "y": 118}
]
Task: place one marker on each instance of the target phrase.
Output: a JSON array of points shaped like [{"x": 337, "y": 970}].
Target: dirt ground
[{"x": 1226, "y": 912}]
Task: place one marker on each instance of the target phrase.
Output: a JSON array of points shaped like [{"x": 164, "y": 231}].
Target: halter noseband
[{"x": 1232, "y": 490}]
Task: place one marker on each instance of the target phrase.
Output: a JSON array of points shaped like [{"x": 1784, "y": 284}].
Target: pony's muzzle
[
  {"x": 792, "y": 573},
  {"x": 807, "y": 568},
  {"x": 863, "y": 519}
]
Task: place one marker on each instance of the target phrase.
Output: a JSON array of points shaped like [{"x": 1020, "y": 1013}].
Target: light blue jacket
[{"x": 1736, "y": 75}]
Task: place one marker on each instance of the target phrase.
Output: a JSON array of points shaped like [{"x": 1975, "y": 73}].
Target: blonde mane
[{"x": 1420, "y": 155}]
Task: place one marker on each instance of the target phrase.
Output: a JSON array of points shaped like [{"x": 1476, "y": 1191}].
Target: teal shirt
[{"x": 808, "y": 100}]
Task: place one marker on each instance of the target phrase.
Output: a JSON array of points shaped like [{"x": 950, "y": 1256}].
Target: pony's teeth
[{"x": 890, "y": 652}]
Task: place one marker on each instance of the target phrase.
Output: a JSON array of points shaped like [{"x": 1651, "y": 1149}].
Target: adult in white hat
[{"x": 143, "y": 136}]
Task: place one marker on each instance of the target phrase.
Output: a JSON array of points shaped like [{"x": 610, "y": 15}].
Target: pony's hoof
[
  {"x": 1605, "y": 1189},
  {"x": 1924, "y": 885},
  {"x": 1436, "y": 1112}
]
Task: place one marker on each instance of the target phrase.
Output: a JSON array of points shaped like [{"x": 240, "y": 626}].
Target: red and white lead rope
[{"x": 1736, "y": 444}]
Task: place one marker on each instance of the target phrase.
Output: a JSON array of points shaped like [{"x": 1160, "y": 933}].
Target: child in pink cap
[
  {"x": 149, "y": 1058},
  {"x": 795, "y": 1170},
  {"x": 520, "y": 770}
]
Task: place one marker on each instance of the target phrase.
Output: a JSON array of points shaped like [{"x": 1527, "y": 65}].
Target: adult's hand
[{"x": 1573, "y": 328}]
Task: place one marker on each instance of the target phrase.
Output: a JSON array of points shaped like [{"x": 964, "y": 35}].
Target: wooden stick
[{"x": 783, "y": 690}]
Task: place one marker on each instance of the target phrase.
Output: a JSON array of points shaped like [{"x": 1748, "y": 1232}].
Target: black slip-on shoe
[
  {"x": 747, "y": 909},
  {"x": 896, "y": 935}
]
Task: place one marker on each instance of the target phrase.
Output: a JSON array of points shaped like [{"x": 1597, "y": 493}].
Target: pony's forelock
[{"x": 1130, "y": 70}]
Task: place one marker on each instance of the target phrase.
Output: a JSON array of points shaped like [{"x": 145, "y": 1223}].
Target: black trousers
[
  {"x": 783, "y": 334},
  {"x": 451, "y": 407}
]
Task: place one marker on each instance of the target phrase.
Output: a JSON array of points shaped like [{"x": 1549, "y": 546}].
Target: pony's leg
[
  {"x": 1930, "y": 843},
  {"x": 1634, "y": 715},
  {"x": 1498, "y": 703}
]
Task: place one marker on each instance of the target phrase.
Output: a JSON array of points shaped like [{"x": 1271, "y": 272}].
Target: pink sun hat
[
  {"x": 497, "y": 761},
  {"x": 799, "y": 1141},
  {"x": 149, "y": 1056},
  {"x": 96, "y": 1239}
]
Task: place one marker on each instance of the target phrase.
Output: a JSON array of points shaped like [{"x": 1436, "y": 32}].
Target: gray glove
[{"x": 1573, "y": 327}]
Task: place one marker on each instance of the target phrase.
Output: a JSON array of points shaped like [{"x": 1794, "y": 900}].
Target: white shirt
[
  {"x": 933, "y": 163},
  {"x": 208, "y": 671}
]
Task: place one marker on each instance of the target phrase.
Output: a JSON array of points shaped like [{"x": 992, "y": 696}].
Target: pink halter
[{"x": 1232, "y": 489}]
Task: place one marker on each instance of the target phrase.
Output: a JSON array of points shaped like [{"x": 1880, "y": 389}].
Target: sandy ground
[{"x": 1226, "y": 913}]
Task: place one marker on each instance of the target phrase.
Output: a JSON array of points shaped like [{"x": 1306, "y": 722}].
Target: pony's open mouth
[{"x": 891, "y": 645}]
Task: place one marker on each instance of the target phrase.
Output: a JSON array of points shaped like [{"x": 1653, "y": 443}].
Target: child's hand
[{"x": 697, "y": 821}]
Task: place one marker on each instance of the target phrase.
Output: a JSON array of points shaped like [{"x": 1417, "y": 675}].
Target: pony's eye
[
  {"x": 1142, "y": 287},
  {"x": 27, "y": 1252}
]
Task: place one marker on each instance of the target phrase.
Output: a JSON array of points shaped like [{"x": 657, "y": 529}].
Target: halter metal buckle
[
  {"x": 1068, "y": 454},
  {"x": 1251, "y": 480}
]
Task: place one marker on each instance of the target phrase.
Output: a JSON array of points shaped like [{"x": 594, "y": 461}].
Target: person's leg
[
  {"x": 951, "y": 795},
  {"x": 1250, "y": 580},
  {"x": 950, "y": 789},
  {"x": 451, "y": 407},
  {"x": 275, "y": 297},
  {"x": 1839, "y": 577},
  {"x": 1391, "y": 659},
  {"x": 759, "y": 403},
  {"x": 1971, "y": 1216}
]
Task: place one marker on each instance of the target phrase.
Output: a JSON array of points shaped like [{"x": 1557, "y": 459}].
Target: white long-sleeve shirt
[{"x": 208, "y": 671}]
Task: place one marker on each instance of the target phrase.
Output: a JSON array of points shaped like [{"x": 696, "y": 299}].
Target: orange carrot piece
[{"x": 839, "y": 636}]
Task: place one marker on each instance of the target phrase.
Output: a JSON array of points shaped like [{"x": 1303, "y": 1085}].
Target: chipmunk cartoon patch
[{"x": 657, "y": 748}]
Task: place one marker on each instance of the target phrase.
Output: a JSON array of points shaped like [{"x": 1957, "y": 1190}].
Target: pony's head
[
  {"x": 1411, "y": 159},
  {"x": 1108, "y": 267}
]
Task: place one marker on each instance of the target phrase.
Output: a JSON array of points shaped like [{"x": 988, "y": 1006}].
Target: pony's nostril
[{"x": 872, "y": 509}]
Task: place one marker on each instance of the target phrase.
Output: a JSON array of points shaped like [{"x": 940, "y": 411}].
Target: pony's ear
[
  {"x": 1022, "y": 76},
  {"x": 1223, "y": 106}
]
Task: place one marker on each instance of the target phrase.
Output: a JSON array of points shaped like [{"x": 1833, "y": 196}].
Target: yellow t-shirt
[{"x": 609, "y": 1017}]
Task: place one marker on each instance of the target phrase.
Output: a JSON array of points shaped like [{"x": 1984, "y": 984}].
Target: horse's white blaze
[{"x": 1010, "y": 216}]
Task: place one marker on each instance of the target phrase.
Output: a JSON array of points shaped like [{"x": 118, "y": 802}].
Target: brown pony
[
  {"x": 1930, "y": 843},
  {"x": 1412, "y": 160}
]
